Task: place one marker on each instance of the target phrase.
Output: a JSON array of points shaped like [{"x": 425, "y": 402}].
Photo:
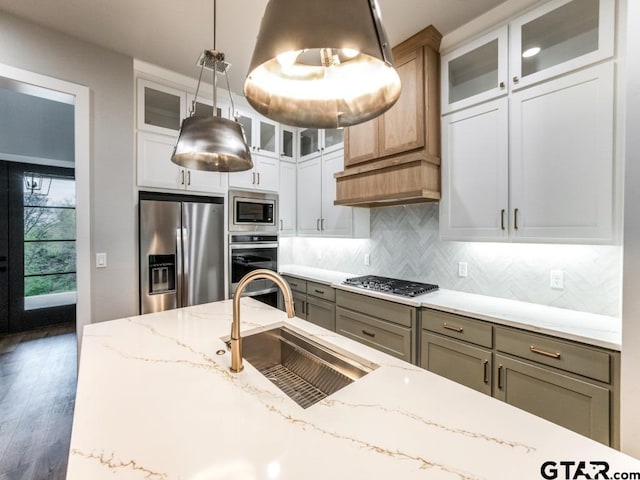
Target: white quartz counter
[
  {"x": 589, "y": 328},
  {"x": 154, "y": 401}
]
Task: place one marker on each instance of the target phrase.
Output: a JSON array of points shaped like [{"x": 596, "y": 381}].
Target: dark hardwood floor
[{"x": 37, "y": 397}]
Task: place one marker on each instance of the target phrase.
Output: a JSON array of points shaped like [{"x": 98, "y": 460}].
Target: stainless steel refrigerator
[{"x": 181, "y": 251}]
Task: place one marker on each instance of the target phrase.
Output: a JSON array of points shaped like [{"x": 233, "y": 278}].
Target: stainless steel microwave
[{"x": 253, "y": 211}]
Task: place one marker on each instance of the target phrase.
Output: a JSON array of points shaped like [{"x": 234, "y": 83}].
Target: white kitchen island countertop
[
  {"x": 156, "y": 402},
  {"x": 598, "y": 330}
]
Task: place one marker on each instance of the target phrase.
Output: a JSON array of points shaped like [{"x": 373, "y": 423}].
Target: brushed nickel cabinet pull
[
  {"x": 546, "y": 354},
  {"x": 502, "y": 85},
  {"x": 253, "y": 178},
  {"x": 303, "y": 307},
  {"x": 281, "y": 225},
  {"x": 322, "y": 224},
  {"x": 181, "y": 177},
  {"x": 188, "y": 177},
  {"x": 318, "y": 224},
  {"x": 450, "y": 327},
  {"x": 258, "y": 178},
  {"x": 502, "y": 219},
  {"x": 368, "y": 334},
  {"x": 515, "y": 218},
  {"x": 500, "y": 377},
  {"x": 321, "y": 292},
  {"x": 516, "y": 79},
  {"x": 486, "y": 371}
]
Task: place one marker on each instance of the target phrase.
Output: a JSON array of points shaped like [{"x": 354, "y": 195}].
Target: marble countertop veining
[
  {"x": 156, "y": 402},
  {"x": 598, "y": 330}
]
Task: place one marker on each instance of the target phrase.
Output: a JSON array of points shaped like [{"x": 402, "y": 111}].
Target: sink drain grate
[{"x": 297, "y": 388}]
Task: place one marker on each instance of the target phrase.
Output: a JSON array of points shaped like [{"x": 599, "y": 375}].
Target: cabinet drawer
[
  {"x": 379, "y": 334},
  {"x": 393, "y": 312},
  {"x": 321, "y": 291},
  {"x": 572, "y": 357},
  {"x": 455, "y": 326},
  {"x": 296, "y": 284}
]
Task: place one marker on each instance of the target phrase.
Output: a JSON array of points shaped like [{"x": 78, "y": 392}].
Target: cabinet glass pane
[
  {"x": 161, "y": 109},
  {"x": 267, "y": 137},
  {"x": 248, "y": 129},
  {"x": 560, "y": 35},
  {"x": 204, "y": 110},
  {"x": 308, "y": 141},
  {"x": 474, "y": 72},
  {"x": 287, "y": 144},
  {"x": 333, "y": 136}
]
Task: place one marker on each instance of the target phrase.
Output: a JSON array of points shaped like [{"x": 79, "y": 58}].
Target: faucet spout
[{"x": 236, "y": 339}]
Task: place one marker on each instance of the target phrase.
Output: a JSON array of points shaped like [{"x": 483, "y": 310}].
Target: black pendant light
[
  {"x": 212, "y": 143},
  {"x": 323, "y": 64}
]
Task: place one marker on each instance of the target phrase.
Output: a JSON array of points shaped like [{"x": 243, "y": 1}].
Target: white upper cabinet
[
  {"x": 475, "y": 173},
  {"x": 336, "y": 220},
  {"x": 262, "y": 134},
  {"x": 476, "y": 72},
  {"x": 287, "y": 199},
  {"x": 561, "y": 158},
  {"x": 265, "y": 175},
  {"x": 160, "y": 109},
  {"x": 558, "y": 37},
  {"x": 309, "y": 196}
]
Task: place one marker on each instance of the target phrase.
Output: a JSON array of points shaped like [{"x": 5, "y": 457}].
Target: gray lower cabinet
[
  {"x": 568, "y": 383},
  {"x": 457, "y": 361},
  {"x": 313, "y": 302},
  {"x": 576, "y": 404},
  {"x": 380, "y": 324}
]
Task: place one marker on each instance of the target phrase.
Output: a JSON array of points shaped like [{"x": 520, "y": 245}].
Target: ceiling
[{"x": 173, "y": 33}]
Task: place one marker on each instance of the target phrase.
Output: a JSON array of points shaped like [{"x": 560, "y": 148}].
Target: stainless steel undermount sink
[{"x": 302, "y": 368}]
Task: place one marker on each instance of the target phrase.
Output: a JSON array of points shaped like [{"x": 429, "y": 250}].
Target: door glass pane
[
  {"x": 287, "y": 144},
  {"x": 161, "y": 109},
  {"x": 560, "y": 35},
  {"x": 474, "y": 72},
  {"x": 248, "y": 129},
  {"x": 333, "y": 136},
  {"x": 49, "y": 240},
  {"x": 308, "y": 141},
  {"x": 267, "y": 137}
]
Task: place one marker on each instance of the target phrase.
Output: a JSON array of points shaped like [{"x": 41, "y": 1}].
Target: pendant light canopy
[
  {"x": 323, "y": 64},
  {"x": 213, "y": 143}
]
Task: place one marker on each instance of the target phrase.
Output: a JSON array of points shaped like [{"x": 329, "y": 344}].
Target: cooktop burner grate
[{"x": 391, "y": 285}]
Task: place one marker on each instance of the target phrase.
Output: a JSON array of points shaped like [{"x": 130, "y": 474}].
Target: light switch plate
[
  {"x": 101, "y": 260},
  {"x": 367, "y": 259},
  {"x": 462, "y": 269}
]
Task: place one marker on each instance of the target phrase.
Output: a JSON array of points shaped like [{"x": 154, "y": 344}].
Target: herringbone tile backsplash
[{"x": 405, "y": 243}]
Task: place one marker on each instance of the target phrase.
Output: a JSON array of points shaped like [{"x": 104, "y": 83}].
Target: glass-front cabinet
[
  {"x": 288, "y": 143},
  {"x": 476, "y": 72},
  {"x": 160, "y": 108},
  {"x": 261, "y": 133},
  {"x": 558, "y": 37},
  {"x": 313, "y": 141}
]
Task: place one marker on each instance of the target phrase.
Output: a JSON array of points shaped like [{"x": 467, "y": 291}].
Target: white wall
[
  {"x": 109, "y": 77},
  {"x": 630, "y": 398}
]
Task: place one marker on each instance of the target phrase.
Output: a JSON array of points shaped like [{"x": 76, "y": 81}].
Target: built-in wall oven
[{"x": 252, "y": 251}]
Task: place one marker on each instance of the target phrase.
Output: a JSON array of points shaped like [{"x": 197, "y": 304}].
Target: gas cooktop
[{"x": 391, "y": 285}]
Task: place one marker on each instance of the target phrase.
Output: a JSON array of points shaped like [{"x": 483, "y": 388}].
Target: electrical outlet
[
  {"x": 101, "y": 260},
  {"x": 556, "y": 279},
  {"x": 367, "y": 259},
  {"x": 462, "y": 269}
]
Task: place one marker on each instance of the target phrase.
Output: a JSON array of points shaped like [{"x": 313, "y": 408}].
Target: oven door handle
[{"x": 247, "y": 246}]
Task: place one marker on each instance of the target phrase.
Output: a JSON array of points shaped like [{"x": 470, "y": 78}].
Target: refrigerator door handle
[
  {"x": 179, "y": 264},
  {"x": 185, "y": 268}
]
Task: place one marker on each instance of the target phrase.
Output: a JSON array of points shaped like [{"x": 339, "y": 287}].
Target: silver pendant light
[
  {"x": 323, "y": 64},
  {"x": 212, "y": 143}
]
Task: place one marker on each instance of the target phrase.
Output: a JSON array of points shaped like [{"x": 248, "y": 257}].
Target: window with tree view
[{"x": 49, "y": 241}]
